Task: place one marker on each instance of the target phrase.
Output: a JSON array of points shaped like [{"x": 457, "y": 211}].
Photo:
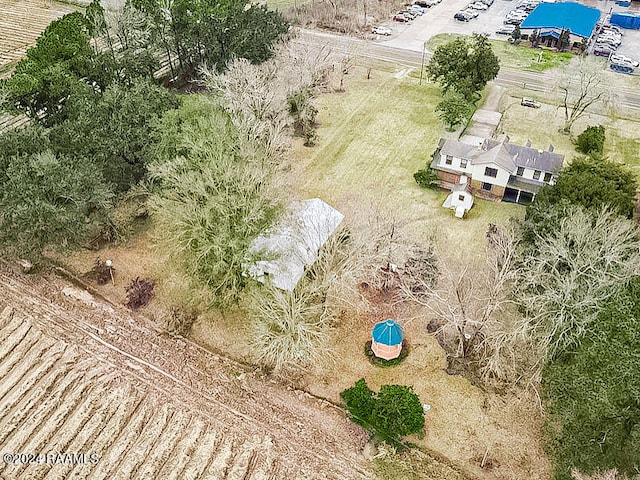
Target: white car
[
  {"x": 609, "y": 40},
  {"x": 380, "y": 30},
  {"x": 416, "y": 9},
  {"x": 470, "y": 12},
  {"x": 623, "y": 60},
  {"x": 612, "y": 28},
  {"x": 506, "y": 30},
  {"x": 478, "y": 6}
]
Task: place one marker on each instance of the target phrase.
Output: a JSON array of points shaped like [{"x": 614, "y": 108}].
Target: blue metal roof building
[{"x": 579, "y": 19}]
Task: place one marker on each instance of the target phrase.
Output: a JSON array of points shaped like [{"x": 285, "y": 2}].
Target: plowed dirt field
[{"x": 78, "y": 375}]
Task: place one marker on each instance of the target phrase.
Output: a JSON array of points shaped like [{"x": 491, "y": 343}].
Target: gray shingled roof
[
  {"x": 457, "y": 149},
  {"x": 503, "y": 154},
  {"x": 496, "y": 154},
  {"x": 536, "y": 159}
]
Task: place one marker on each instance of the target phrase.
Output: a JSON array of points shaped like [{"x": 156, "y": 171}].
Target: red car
[{"x": 400, "y": 18}]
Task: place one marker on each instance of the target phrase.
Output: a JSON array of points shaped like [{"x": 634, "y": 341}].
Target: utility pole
[{"x": 422, "y": 63}]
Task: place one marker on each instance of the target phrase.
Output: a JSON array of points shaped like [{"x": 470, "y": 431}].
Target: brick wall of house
[
  {"x": 495, "y": 194},
  {"x": 448, "y": 177}
]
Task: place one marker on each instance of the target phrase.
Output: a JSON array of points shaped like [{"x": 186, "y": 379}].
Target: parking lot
[{"x": 439, "y": 19}]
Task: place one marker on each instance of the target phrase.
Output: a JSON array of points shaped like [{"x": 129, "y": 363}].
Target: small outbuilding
[
  {"x": 387, "y": 340},
  {"x": 460, "y": 199},
  {"x": 281, "y": 253}
]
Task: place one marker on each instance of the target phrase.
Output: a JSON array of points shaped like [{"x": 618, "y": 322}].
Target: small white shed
[
  {"x": 282, "y": 252},
  {"x": 459, "y": 200}
]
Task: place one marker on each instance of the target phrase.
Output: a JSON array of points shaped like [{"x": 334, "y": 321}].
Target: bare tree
[
  {"x": 470, "y": 297},
  {"x": 582, "y": 86},
  {"x": 258, "y": 96},
  {"x": 571, "y": 273}
]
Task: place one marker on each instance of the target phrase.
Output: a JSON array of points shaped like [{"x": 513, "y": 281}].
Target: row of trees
[
  {"x": 88, "y": 87},
  {"x": 193, "y": 33}
]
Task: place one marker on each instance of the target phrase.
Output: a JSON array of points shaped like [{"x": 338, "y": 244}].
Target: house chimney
[
  {"x": 550, "y": 148},
  {"x": 528, "y": 143}
]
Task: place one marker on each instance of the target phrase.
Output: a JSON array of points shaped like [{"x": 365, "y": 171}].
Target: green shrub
[
  {"x": 398, "y": 411},
  {"x": 591, "y": 141},
  {"x": 426, "y": 178},
  {"x": 390, "y": 414},
  {"x": 360, "y": 401}
]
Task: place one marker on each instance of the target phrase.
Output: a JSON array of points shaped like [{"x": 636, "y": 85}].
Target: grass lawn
[
  {"x": 511, "y": 56},
  {"x": 621, "y": 145},
  {"x": 372, "y": 139}
]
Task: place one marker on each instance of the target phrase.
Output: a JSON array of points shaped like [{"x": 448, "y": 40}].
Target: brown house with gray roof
[{"x": 496, "y": 170}]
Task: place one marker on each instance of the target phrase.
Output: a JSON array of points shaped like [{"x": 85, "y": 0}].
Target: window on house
[
  {"x": 448, "y": 160},
  {"x": 486, "y": 186},
  {"x": 491, "y": 172},
  {"x": 461, "y": 198},
  {"x": 520, "y": 171},
  {"x": 536, "y": 174},
  {"x": 463, "y": 164},
  {"x": 547, "y": 177}
]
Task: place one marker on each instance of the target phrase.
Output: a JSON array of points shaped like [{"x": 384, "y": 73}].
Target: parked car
[
  {"x": 408, "y": 14},
  {"x": 530, "y": 102},
  {"x": 516, "y": 16},
  {"x": 471, "y": 12},
  {"x": 380, "y": 30},
  {"x": 487, "y": 2},
  {"x": 621, "y": 68},
  {"x": 608, "y": 46},
  {"x": 623, "y": 60},
  {"x": 612, "y": 35},
  {"x": 422, "y": 3},
  {"x": 506, "y": 30},
  {"x": 612, "y": 28},
  {"x": 415, "y": 9},
  {"x": 513, "y": 21},
  {"x": 463, "y": 17},
  {"x": 398, "y": 17},
  {"x": 608, "y": 41},
  {"x": 603, "y": 51},
  {"x": 478, "y": 6}
]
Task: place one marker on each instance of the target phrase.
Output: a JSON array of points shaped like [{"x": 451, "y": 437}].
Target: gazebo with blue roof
[
  {"x": 551, "y": 19},
  {"x": 387, "y": 339}
]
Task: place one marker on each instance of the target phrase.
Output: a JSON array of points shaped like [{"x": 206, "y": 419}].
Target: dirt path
[{"x": 81, "y": 378}]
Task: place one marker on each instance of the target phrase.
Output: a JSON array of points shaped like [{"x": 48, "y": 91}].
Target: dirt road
[{"x": 81, "y": 376}]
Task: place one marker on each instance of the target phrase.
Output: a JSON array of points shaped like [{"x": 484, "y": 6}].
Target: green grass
[
  {"x": 372, "y": 139},
  {"x": 511, "y": 56},
  {"x": 623, "y": 149},
  {"x": 526, "y": 58},
  {"x": 283, "y": 5}
]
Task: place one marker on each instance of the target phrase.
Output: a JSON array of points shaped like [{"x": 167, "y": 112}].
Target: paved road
[{"x": 508, "y": 77}]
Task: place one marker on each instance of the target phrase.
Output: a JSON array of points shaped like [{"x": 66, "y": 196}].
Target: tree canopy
[
  {"x": 594, "y": 393},
  {"x": 591, "y": 140},
  {"x": 392, "y": 413},
  {"x": 204, "y": 32},
  {"x": 49, "y": 199},
  {"x": 464, "y": 65},
  {"x": 591, "y": 183}
]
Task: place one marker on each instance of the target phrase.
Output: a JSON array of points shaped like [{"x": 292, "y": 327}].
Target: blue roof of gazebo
[{"x": 387, "y": 333}]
